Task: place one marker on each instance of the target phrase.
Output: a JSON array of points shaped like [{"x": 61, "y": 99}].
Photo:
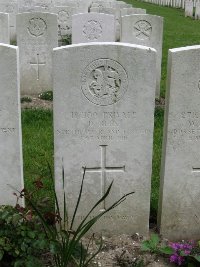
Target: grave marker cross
[
  {"x": 38, "y": 64},
  {"x": 103, "y": 169}
]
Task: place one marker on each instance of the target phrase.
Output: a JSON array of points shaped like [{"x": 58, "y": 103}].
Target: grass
[
  {"x": 178, "y": 31},
  {"x": 37, "y": 132},
  {"x": 38, "y": 124}
]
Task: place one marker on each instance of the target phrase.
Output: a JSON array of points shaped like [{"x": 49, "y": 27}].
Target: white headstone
[
  {"x": 111, "y": 11},
  {"x": 70, "y": 3},
  {"x": 103, "y": 120},
  {"x": 102, "y": 4},
  {"x": 197, "y": 10},
  {"x": 64, "y": 14},
  {"x": 10, "y": 131},
  {"x": 4, "y": 28},
  {"x": 93, "y": 27},
  {"x": 10, "y": 7},
  {"x": 121, "y": 4},
  {"x": 180, "y": 176},
  {"x": 36, "y": 38},
  {"x": 130, "y": 11},
  {"x": 145, "y": 30},
  {"x": 189, "y": 8}
]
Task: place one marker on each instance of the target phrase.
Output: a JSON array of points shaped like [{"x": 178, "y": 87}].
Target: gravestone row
[
  {"x": 35, "y": 48},
  {"x": 103, "y": 121}
]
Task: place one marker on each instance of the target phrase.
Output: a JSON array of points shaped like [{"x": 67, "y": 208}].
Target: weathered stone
[
  {"x": 197, "y": 10},
  {"x": 189, "y": 8},
  {"x": 145, "y": 30},
  {"x": 130, "y": 11},
  {"x": 103, "y": 120},
  {"x": 10, "y": 7},
  {"x": 180, "y": 176},
  {"x": 93, "y": 27},
  {"x": 10, "y": 131},
  {"x": 64, "y": 20},
  {"x": 4, "y": 28},
  {"x": 36, "y": 37}
]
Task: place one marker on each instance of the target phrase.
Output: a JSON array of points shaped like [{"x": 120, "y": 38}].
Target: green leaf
[
  {"x": 191, "y": 264},
  {"x": 197, "y": 257},
  {"x": 154, "y": 240},
  {"x": 145, "y": 246},
  {"x": 31, "y": 234},
  {"x": 166, "y": 250}
]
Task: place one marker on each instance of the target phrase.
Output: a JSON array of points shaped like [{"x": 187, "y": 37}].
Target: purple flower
[
  {"x": 175, "y": 258},
  {"x": 181, "y": 251}
]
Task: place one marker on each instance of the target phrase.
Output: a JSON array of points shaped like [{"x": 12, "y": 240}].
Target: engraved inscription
[
  {"x": 142, "y": 29},
  {"x": 103, "y": 169},
  {"x": 37, "y": 27},
  {"x": 92, "y": 30},
  {"x": 63, "y": 16},
  {"x": 104, "y": 82}
]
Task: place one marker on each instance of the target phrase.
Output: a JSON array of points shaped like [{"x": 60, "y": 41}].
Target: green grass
[
  {"x": 155, "y": 183},
  {"x": 38, "y": 124},
  {"x": 178, "y": 31},
  {"x": 37, "y": 132}
]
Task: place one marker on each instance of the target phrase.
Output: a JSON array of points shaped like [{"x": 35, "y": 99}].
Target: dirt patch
[
  {"x": 120, "y": 251},
  {"x": 125, "y": 251},
  {"x": 36, "y": 102}
]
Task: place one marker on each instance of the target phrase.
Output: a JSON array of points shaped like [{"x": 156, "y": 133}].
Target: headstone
[
  {"x": 130, "y": 11},
  {"x": 121, "y": 4},
  {"x": 189, "y": 8},
  {"x": 65, "y": 3},
  {"x": 180, "y": 176},
  {"x": 93, "y": 27},
  {"x": 102, "y": 4},
  {"x": 64, "y": 20},
  {"x": 36, "y": 37},
  {"x": 103, "y": 120},
  {"x": 111, "y": 11},
  {"x": 10, "y": 131},
  {"x": 197, "y": 10},
  {"x": 145, "y": 30},
  {"x": 4, "y": 28},
  {"x": 10, "y": 7}
]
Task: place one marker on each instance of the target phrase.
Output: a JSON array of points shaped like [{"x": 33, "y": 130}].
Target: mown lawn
[{"x": 38, "y": 124}]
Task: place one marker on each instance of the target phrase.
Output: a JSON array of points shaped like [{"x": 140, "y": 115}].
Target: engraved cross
[
  {"x": 103, "y": 170},
  {"x": 38, "y": 64}
]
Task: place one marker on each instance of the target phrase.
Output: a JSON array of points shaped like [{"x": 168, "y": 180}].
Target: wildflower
[{"x": 177, "y": 259}]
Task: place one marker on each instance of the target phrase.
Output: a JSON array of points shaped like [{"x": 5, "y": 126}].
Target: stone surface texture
[
  {"x": 189, "y": 8},
  {"x": 180, "y": 176},
  {"x": 10, "y": 7},
  {"x": 4, "y": 28},
  {"x": 103, "y": 120},
  {"x": 10, "y": 131},
  {"x": 132, "y": 10}
]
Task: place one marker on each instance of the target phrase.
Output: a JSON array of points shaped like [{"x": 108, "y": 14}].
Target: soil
[
  {"x": 36, "y": 103},
  {"x": 120, "y": 251},
  {"x": 125, "y": 251}
]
